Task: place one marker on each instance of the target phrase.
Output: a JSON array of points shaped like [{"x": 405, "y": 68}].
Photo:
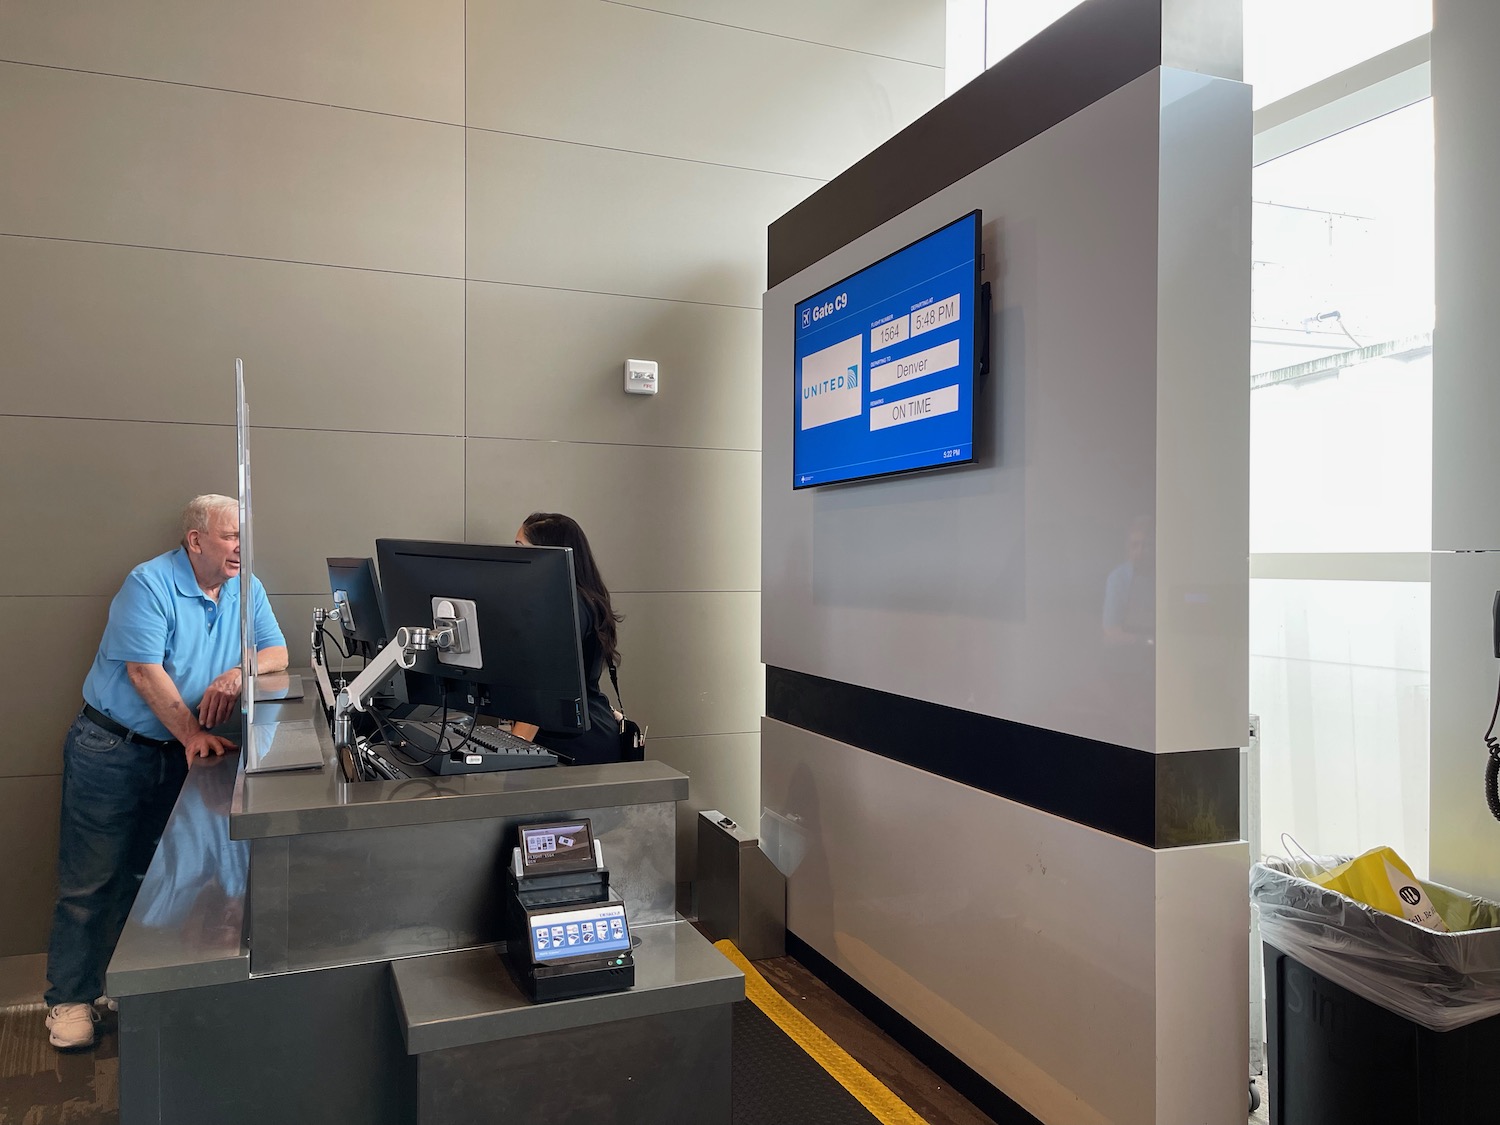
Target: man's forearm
[
  {"x": 161, "y": 695},
  {"x": 271, "y": 659}
]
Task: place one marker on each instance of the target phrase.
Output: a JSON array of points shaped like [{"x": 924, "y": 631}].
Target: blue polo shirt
[{"x": 162, "y": 616}]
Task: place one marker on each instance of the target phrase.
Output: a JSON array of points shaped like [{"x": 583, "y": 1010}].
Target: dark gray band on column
[{"x": 1159, "y": 800}]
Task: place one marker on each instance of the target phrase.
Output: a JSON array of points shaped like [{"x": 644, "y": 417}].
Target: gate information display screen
[{"x": 886, "y": 363}]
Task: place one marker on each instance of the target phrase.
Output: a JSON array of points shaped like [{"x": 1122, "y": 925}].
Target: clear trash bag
[{"x": 1437, "y": 980}]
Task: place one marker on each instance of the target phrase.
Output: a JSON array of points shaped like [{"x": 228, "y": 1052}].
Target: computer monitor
[
  {"x": 530, "y": 655},
  {"x": 357, "y": 597}
]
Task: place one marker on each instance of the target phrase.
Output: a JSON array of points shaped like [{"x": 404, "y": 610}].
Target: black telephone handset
[{"x": 1491, "y": 742}]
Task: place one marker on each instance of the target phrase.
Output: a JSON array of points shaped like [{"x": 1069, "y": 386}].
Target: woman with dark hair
[{"x": 596, "y": 622}]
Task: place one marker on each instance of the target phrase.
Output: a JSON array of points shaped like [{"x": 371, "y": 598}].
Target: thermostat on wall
[{"x": 640, "y": 376}]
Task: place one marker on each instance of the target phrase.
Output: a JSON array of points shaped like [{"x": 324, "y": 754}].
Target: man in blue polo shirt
[{"x": 167, "y": 673}]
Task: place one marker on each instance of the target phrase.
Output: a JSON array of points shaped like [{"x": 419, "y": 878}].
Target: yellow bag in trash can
[{"x": 1381, "y": 878}]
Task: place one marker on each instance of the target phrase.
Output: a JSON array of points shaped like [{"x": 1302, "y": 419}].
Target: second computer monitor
[
  {"x": 526, "y": 616},
  {"x": 358, "y": 600}
]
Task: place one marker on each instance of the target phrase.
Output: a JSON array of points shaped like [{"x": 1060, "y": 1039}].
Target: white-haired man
[{"x": 166, "y": 674}]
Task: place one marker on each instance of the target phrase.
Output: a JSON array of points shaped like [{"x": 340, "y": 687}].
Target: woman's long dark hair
[{"x": 553, "y": 529}]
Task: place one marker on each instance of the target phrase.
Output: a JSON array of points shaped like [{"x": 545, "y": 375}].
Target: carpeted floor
[{"x": 40, "y": 1086}]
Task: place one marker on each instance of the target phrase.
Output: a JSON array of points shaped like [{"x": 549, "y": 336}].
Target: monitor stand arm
[{"x": 400, "y": 653}]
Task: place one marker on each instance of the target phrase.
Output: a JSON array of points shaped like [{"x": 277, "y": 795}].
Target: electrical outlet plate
[{"x": 640, "y": 376}]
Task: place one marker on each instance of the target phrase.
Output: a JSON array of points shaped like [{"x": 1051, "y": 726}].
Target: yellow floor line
[{"x": 871, "y": 1093}]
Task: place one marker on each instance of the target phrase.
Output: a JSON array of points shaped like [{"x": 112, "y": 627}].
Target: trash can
[
  {"x": 741, "y": 894},
  {"x": 1370, "y": 1018}
]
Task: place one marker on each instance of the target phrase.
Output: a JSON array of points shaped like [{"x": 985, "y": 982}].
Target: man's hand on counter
[
  {"x": 205, "y": 745},
  {"x": 220, "y": 700}
]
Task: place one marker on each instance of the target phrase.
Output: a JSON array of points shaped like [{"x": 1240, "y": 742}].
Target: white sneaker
[{"x": 72, "y": 1026}]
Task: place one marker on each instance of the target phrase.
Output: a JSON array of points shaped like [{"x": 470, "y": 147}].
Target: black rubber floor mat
[{"x": 777, "y": 1083}]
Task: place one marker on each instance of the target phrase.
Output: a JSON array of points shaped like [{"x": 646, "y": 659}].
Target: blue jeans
[{"x": 116, "y": 797}]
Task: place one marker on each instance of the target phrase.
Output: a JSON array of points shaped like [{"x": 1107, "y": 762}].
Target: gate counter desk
[{"x": 307, "y": 949}]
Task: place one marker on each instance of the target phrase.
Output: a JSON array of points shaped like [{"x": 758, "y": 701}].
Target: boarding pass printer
[{"x": 567, "y": 933}]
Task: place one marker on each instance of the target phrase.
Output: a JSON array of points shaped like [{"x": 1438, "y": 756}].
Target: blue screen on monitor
[{"x": 885, "y": 363}]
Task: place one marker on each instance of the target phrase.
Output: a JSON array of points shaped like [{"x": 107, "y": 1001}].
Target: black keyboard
[{"x": 486, "y": 750}]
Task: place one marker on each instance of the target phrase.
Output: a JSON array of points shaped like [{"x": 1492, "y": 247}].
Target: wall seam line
[
  {"x": 820, "y": 180},
  {"x": 178, "y": 83},
  {"x": 370, "y": 269},
  {"x": 374, "y": 433},
  {"x": 464, "y": 125},
  {"x": 776, "y": 35}
]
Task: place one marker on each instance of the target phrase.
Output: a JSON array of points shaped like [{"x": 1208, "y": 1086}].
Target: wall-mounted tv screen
[{"x": 887, "y": 363}]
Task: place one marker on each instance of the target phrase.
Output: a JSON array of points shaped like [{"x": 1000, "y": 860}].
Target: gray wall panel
[
  {"x": 683, "y": 519},
  {"x": 388, "y": 55},
  {"x": 549, "y": 364},
  {"x": 153, "y": 334},
  {"x": 895, "y": 28},
  {"x": 135, "y": 247},
  {"x": 724, "y": 774},
  {"x": 1465, "y": 456},
  {"x": 99, "y": 497},
  {"x": 1203, "y": 414},
  {"x": 689, "y": 664},
  {"x": 146, "y": 163},
  {"x": 675, "y": 228},
  {"x": 294, "y": 615},
  {"x": 53, "y": 644},
  {"x": 28, "y": 878},
  {"x": 685, "y": 87},
  {"x": 1117, "y": 244},
  {"x": 319, "y": 493},
  {"x": 1030, "y": 954},
  {"x": 1465, "y": 393},
  {"x": 995, "y": 574},
  {"x": 1463, "y": 833}
]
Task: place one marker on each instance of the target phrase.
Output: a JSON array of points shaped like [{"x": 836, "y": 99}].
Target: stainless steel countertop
[
  {"x": 468, "y": 996},
  {"x": 186, "y": 929},
  {"x": 297, "y": 802}
]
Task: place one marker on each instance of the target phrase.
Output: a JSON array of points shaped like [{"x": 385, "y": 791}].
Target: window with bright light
[
  {"x": 982, "y": 32},
  {"x": 1341, "y": 470},
  {"x": 1290, "y": 44},
  {"x": 1009, "y": 23},
  {"x": 1342, "y": 315}
]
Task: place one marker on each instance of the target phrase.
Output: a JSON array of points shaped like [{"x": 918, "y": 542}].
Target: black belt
[{"x": 100, "y": 719}]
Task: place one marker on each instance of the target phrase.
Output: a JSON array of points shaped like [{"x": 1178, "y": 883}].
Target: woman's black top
[{"x": 601, "y": 742}]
